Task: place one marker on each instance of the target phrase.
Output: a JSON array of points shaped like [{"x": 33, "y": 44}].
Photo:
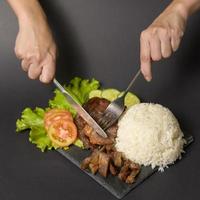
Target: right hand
[
  {"x": 162, "y": 37},
  {"x": 36, "y": 48}
]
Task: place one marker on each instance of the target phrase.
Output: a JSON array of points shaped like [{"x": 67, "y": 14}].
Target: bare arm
[
  {"x": 164, "y": 35},
  {"x": 34, "y": 45}
]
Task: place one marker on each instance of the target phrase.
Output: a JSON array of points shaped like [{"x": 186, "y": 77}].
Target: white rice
[{"x": 149, "y": 134}]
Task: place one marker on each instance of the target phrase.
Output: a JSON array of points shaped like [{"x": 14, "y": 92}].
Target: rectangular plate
[{"x": 118, "y": 188}]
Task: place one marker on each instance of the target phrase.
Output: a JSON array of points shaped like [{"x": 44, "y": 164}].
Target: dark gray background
[{"x": 96, "y": 38}]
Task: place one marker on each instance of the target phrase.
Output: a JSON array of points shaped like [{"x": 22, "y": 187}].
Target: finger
[
  {"x": 18, "y": 53},
  {"x": 48, "y": 72},
  {"x": 166, "y": 47},
  {"x": 145, "y": 59},
  {"x": 155, "y": 46},
  {"x": 175, "y": 40},
  {"x": 34, "y": 71},
  {"x": 25, "y": 64}
]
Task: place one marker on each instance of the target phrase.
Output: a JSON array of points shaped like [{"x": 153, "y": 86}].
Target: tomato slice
[
  {"x": 54, "y": 111},
  {"x": 62, "y": 133},
  {"x": 56, "y": 115}
]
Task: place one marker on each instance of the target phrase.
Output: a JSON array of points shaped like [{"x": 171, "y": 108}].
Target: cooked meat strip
[
  {"x": 85, "y": 163},
  {"x": 96, "y": 106},
  {"x": 112, "y": 131},
  {"x": 117, "y": 158},
  {"x": 104, "y": 161},
  {"x": 125, "y": 171},
  {"x": 131, "y": 178},
  {"x": 94, "y": 138},
  {"x": 112, "y": 169},
  {"x": 134, "y": 166},
  {"x": 90, "y": 159},
  {"x": 93, "y": 167},
  {"x": 84, "y": 139},
  {"x": 109, "y": 147},
  {"x": 80, "y": 123},
  {"x": 94, "y": 162}
]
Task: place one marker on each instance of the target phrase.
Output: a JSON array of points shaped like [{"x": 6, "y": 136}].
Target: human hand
[
  {"x": 162, "y": 37},
  {"x": 36, "y": 48}
]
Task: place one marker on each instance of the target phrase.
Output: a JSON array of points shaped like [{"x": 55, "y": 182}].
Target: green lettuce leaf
[
  {"x": 80, "y": 88},
  {"x": 34, "y": 121},
  {"x": 79, "y": 143},
  {"x": 39, "y": 137},
  {"x": 60, "y": 101},
  {"x": 30, "y": 119}
]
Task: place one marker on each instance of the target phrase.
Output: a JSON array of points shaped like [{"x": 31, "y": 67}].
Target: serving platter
[{"x": 115, "y": 186}]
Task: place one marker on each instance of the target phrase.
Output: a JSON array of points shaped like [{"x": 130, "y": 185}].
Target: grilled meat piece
[
  {"x": 117, "y": 158},
  {"x": 134, "y": 166},
  {"x": 85, "y": 140},
  {"x": 94, "y": 138},
  {"x": 80, "y": 124},
  {"x": 131, "y": 177},
  {"x": 109, "y": 148},
  {"x": 85, "y": 163},
  {"x": 96, "y": 106},
  {"x": 104, "y": 161},
  {"x": 112, "y": 169},
  {"x": 112, "y": 131},
  {"x": 125, "y": 171},
  {"x": 91, "y": 161},
  {"x": 94, "y": 162}
]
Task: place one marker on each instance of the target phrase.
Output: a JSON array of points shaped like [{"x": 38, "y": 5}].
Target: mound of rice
[{"x": 149, "y": 134}]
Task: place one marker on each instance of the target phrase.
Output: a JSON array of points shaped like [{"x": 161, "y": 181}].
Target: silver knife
[{"x": 80, "y": 110}]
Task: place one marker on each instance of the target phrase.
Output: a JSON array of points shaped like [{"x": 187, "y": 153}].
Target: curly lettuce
[{"x": 33, "y": 120}]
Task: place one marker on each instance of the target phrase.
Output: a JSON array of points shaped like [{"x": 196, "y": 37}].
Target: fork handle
[{"x": 132, "y": 81}]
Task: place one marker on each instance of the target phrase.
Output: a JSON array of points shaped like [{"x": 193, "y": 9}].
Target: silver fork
[{"x": 115, "y": 108}]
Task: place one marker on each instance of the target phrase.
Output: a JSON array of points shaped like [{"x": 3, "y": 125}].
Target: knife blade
[{"x": 80, "y": 110}]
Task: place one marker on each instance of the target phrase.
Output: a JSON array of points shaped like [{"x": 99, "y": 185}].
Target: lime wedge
[
  {"x": 95, "y": 93},
  {"x": 110, "y": 94},
  {"x": 131, "y": 99}
]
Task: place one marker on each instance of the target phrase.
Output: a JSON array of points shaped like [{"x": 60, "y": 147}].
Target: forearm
[
  {"x": 186, "y": 7},
  {"x": 26, "y": 10}
]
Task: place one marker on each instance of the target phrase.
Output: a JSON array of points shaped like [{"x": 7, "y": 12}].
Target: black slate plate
[{"x": 111, "y": 183}]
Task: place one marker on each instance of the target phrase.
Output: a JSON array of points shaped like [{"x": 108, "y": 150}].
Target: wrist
[
  {"x": 30, "y": 18},
  {"x": 181, "y": 8},
  {"x": 187, "y": 7},
  {"x": 28, "y": 11}
]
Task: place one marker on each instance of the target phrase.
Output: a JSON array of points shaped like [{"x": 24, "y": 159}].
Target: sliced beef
[
  {"x": 94, "y": 162},
  {"x": 91, "y": 162},
  {"x": 104, "y": 161},
  {"x": 96, "y": 106},
  {"x": 80, "y": 124},
  {"x": 112, "y": 131},
  {"x": 94, "y": 138},
  {"x": 131, "y": 177},
  {"x": 112, "y": 169},
  {"x": 125, "y": 171},
  {"x": 85, "y": 163},
  {"x": 109, "y": 148},
  {"x": 117, "y": 158},
  {"x": 134, "y": 166}
]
